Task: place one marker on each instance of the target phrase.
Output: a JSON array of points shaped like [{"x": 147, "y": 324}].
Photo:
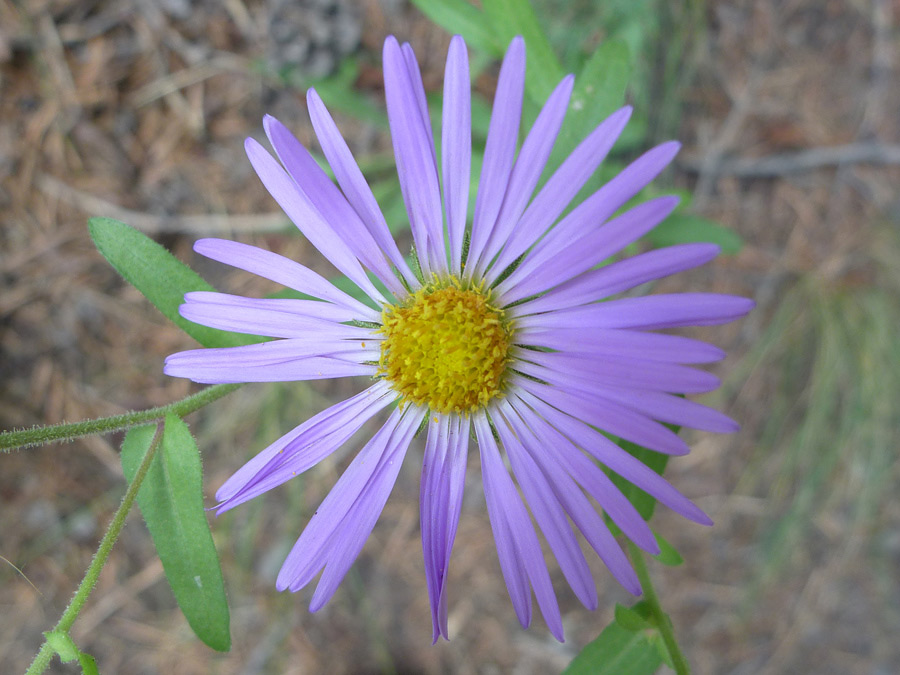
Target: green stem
[
  {"x": 42, "y": 660},
  {"x": 660, "y": 618},
  {"x": 65, "y": 432}
]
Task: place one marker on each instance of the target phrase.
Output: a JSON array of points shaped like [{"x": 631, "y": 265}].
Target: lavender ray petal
[
  {"x": 538, "y": 272},
  {"x": 611, "y": 342},
  {"x": 576, "y": 504},
  {"x": 621, "y": 371},
  {"x": 507, "y": 505},
  {"x": 414, "y": 153},
  {"x": 354, "y": 529},
  {"x": 562, "y": 187},
  {"x": 311, "y": 309},
  {"x": 607, "y": 200},
  {"x": 611, "y": 417},
  {"x": 527, "y": 170},
  {"x": 330, "y": 202},
  {"x": 353, "y": 184},
  {"x": 511, "y": 565},
  {"x": 307, "y": 218},
  {"x": 599, "y": 486},
  {"x": 262, "y": 320},
  {"x": 302, "y": 448},
  {"x": 456, "y": 147},
  {"x": 500, "y": 148},
  {"x": 324, "y": 529},
  {"x": 548, "y": 512},
  {"x": 670, "y": 409},
  {"x": 647, "y": 313},
  {"x": 615, "y": 458},
  {"x": 281, "y": 270},
  {"x": 620, "y": 276},
  {"x": 274, "y": 361}
]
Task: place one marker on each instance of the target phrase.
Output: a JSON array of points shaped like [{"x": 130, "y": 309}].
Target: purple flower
[{"x": 520, "y": 356}]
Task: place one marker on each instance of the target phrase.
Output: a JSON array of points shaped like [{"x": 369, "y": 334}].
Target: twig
[
  {"x": 205, "y": 224},
  {"x": 803, "y": 160}
]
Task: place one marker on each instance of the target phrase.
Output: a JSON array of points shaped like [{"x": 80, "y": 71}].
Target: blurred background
[{"x": 137, "y": 110}]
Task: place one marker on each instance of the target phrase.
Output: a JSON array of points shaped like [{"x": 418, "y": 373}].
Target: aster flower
[{"x": 498, "y": 335}]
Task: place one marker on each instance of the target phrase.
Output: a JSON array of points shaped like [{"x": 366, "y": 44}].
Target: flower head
[{"x": 498, "y": 335}]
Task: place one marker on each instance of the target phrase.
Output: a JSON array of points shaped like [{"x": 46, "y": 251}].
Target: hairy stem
[
  {"x": 659, "y": 617},
  {"x": 42, "y": 660},
  {"x": 66, "y": 432}
]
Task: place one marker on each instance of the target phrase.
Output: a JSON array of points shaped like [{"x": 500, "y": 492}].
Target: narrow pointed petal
[
  {"x": 527, "y": 170},
  {"x": 335, "y": 524},
  {"x": 443, "y": 480},
  {"x": 615, "y": 458},
  {"x": 548, "y": 513},
  {"x": 456, "y": 147},
  {"x": 353, "y": 184},
  {"x": 649, "y": 312},
  {"x": 513, "y": 527},
  {"x": 304, "y": 447},
  {"x": 263, "y": 319},
  {"x": 310, "y": 309},
  {"x": 601, "y": 205},
  {"x": 620, "y": 276},
  {"x": 621, "y": 371},
  {"x": 276, "y": 361},
  {"x": 629, "y": 344},
  {"x": 328, "y": 200},
  {"x": 670, "y": 409},
  {"x": 532, "y": 429},
  {"x": 414, "y": 153},
  {"x": 562, "y": 187},
  {"x": 500, "y": 149},
  {"x": 540, "y": 272},
  {"x": 612, "y": 417},
  {"x": 281, "y": 270},
  {"x": 307, "y": 218}
]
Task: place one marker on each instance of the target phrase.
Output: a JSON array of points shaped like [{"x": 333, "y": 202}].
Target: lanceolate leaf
[
  {"x": 160, "y": 276},
  {"x": 617, "y": 651},
  {"x": 510, "y": 18},
  {"x": 171, "y": 501},
  {"x": 463, "y": 18},
  {"x": 683, "y": 228}
]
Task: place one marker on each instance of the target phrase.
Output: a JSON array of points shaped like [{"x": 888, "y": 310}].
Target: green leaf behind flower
[
  {"x": 463, "y": 18},
  {"x": 171, "y": 501},
  {"x": 159, "y": 276},
  {"x": 684, "y": 228},
  {"x": 510, "y": 18},
  {"x": 619, "y": 650}
]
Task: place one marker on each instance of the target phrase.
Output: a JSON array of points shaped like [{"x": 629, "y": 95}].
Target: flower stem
[
  {"x": 42, "y": 660},
  {"x": 66, "y": 432},
  {"x": 660, "y": 618}
]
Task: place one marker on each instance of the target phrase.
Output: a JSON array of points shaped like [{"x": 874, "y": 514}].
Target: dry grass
[{"x": 116, "y": 107}]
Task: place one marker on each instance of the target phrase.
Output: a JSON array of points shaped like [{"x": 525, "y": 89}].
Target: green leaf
[
  {"x": 667, "y": 554},
  {"x": 68, "y": 651},
  {"x": 510, "y": 18},
  {"x": 462, "y": 18},
  {"x": 171, "y": 501},
  {"x": 617, "y": 651},
  {"x": 683, "y": 228},
  {"x": 644, "y": 503},
  {"x": 160, "y": 276},
  {"x": 630, "y": 619},
  {"x": 599, "y": 91}
]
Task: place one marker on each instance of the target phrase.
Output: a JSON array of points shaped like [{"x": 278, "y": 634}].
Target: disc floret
[{"x": 446, "y": 346}]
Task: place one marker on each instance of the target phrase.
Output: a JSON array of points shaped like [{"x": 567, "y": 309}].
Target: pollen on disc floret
[{"x": 446, "y": 347}]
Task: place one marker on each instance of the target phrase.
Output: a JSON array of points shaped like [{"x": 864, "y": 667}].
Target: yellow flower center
[{"x": 445, "y": 347}]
